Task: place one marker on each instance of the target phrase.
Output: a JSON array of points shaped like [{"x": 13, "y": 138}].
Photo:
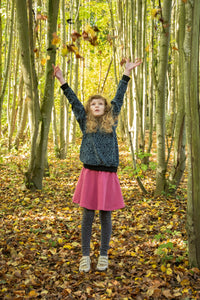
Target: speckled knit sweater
[{"x": 99, "y": 150}]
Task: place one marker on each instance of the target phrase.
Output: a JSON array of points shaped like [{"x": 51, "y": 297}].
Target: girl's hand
[
  {"x": 131, "y": 65},
  {"x": 58, "y": 74}
]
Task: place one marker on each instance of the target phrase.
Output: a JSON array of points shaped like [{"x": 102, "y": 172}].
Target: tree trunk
[
  {"x": 113, "y": 43},
  {"x": 13, "y": 111},
  {"x": 22, "y": 115},
  {"x": 151, "y": 91},
  {"x": 134, "y": 91},
  {"x": 1, "y": 65},
  {"x": 179, "y": 132},
  {"x": 7, "y": 66},
  {"x": 36, "y": 173},
  {"x": 191, "y": 48},
  {"x": 72, "y": 133},
  {"x": 63, "y": 110},
  {"x": 54, "y": 130},
  {"x": 139, "y": 78},
  {"x": 25, "y": 29},
  {"x": 160, "y": 105},
  {"x": 22, "y": 23}
]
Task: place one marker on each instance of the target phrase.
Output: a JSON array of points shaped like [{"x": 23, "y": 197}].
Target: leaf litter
[{"x": 40, "y": 236}]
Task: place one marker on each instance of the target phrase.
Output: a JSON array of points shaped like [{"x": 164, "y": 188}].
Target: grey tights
[{"x": 86, "y": 230}]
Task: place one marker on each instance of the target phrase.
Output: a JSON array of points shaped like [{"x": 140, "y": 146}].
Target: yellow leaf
[
  {"x": 44, "y": 292},
  {"x": 64, "y": 51},
  {"x": 74, "y": 48},
  {"x": 56, "y": 39},
  {"x": 185, "y": 282},
  {"x": 136, "y": 249},
  {"x": 27, "y": 199},
  {"x": 33, "y": 294},
  {"x": 75, "y": 244},
  {"x": 60, "y": 240},
  {"x": 109, "y": 292},
  {"x": 90, "y": 30},
  {"x": 154, "y": 266},
  {"x": 43, "y": 61},
  {"x": 169, "y": 271},
  {"x": 154, "y": 12},
  {"x": 67, "y": 246},
  {"x": 53, "y": 251},
  {"x": 88, "y": 290},
  {"x": 149, "y": 273},
  {"x": 37, "y": 200},
  {"x": 177, "y": 294},
  {"x": 99, "y": 284},
  {"x": 163, "y": 268},
  {"x": 169, "y": 226},
  {"x": 147, "y": 48}
]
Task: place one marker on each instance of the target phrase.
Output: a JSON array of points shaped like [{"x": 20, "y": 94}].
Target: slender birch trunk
[
  {"x": 179, "y": 132},
  {"x": 191, "y": 50},
  {"x": 160, "y": 105},
  {"x": 72, "y": 133},
  {"x": 54, "y": 130},
  {"x": 63, "y": 110},
  {"x": 22, "y": 115},
  {"x": 13, "y": 111},
  {"x": 7, "y": 65}
]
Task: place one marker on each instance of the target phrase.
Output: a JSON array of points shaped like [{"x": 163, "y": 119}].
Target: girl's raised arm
[{"x": 117, "y": 102}]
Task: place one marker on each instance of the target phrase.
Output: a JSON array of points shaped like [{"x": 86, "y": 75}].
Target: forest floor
[{"x": 40, "y": 237}]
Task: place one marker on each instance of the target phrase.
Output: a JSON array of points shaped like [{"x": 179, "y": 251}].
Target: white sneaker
[
  {"x": 102, "y": 263},
  {"x": 84, "y": 264}
]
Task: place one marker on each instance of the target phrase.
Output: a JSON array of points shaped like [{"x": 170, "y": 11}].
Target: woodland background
[{"x": 158, "y": 135}]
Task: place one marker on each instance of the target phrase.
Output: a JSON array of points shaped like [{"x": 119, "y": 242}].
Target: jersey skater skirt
[{"x": 98, "y": 190}]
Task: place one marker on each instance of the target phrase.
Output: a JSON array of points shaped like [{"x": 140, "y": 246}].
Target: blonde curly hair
[{"x": 104, "y": 122}]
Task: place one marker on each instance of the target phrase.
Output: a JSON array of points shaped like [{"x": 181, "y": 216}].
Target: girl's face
[{"x": 97, "y": 107}]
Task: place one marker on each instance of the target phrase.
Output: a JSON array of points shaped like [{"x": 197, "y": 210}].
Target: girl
[{"x": 98, "y": 185}]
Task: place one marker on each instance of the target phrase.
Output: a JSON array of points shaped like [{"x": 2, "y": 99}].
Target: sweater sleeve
[
  {"x": 117, "y": 102},
  {"x": 77, "y": 106}
]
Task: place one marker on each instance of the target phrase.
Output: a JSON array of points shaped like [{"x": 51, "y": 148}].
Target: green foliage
[
  {"x": 141, "y": 155},
  {"x": 166, "y": 244},
  {"x": 141, "y": 167},
  {"x": 159, "y": 236},
  {"x": 152, "y": 165},
  {"x": 163, "y": 250}
]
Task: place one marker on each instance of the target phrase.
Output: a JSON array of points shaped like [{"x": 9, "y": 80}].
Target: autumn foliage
[
  {"x": 40, "y": 239},
  {"x": 89, "y": 34}
]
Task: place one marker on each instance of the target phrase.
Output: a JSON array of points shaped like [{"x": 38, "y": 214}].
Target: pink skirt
[{"x": 98, "y": 190}]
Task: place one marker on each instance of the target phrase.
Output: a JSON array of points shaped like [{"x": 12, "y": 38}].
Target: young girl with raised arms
[{"x": 98, "y": 186}]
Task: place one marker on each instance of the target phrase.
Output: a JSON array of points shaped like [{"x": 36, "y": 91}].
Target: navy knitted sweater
[{"x": 99, "y": 150}]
